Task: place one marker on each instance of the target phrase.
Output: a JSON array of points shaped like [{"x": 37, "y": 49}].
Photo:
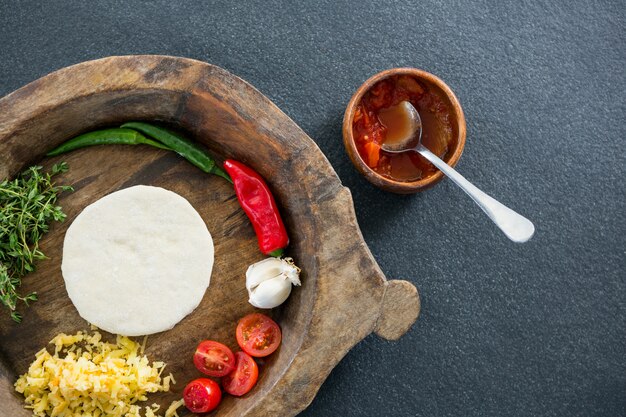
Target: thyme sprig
[{"x": 27, "y": 207}]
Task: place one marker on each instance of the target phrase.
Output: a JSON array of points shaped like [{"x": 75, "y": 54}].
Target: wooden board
[{"x": 344, "y": 296}]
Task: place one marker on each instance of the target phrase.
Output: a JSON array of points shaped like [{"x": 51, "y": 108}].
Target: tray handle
[{"x": 399, "y": 309}]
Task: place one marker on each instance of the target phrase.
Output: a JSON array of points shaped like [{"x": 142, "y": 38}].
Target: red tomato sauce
[{"x": 370, "y": 133}]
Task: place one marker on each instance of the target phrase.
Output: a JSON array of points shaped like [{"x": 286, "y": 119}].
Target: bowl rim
[{"x": 372, "y": 176}]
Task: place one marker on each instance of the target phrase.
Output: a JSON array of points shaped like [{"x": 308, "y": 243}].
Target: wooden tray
[{"x": 344, "y": 296}]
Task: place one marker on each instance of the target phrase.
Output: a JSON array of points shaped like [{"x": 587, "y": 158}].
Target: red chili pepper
[{"x": 257, "y": 201}]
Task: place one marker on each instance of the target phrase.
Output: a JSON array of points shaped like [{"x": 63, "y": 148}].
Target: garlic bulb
[{"x": 269, "y": 281}]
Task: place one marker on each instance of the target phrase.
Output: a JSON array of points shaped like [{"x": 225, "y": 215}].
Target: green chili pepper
[
  {"x": 106, "y": 137},
  {"x": 181, "y": 145}
]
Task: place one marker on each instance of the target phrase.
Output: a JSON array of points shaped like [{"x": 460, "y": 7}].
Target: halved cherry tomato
[
  {"x": 202, "y": 395},
  {"x": 258, "y": 335},
  {"x": 243, "y": 378},
  {"x": 214, "y": 359}
]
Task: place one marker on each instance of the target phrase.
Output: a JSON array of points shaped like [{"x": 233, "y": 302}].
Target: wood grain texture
[{"x": 343, "y": 292}]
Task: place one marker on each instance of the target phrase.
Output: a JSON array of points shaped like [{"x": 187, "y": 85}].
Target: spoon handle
[{"x": 515, "y": 226}]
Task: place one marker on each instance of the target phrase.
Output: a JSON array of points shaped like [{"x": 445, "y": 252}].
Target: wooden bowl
[
  {"x": 344, "y": 294},
  {"x": 458, "y": 125}
]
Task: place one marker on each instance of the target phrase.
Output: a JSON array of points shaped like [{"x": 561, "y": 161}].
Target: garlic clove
[
  {"x": 269, "y": 281},
  {"x": 263, "y": 270},
  {"x": 271, "y": 292}
]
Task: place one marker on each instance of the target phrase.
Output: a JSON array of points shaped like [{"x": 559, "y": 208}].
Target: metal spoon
[{"x": 515, "y": 226}]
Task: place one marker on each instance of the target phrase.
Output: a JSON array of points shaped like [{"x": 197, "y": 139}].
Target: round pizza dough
[{"x": 137, "y": 261}]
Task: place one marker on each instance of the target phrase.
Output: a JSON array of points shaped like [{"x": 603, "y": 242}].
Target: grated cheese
[{"x": 88, "y": 377}]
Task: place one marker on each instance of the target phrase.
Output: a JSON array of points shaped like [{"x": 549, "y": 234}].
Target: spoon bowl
[{"x": 409, "y": 135}]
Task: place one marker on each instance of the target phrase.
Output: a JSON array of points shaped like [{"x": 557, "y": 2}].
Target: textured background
[{"x": 529, "y": 330}]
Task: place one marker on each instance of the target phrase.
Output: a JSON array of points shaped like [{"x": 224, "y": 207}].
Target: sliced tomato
[
  {"x": 372, "y": 150},
  {"x": 214, "y": 359},
  {"x": 243, "y": 378},
  {"x": 258, "y": 335},
  {"x": 202, "y": 395}
]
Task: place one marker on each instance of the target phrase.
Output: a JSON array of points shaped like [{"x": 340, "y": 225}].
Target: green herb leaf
[{"x": 27, "y": 207}]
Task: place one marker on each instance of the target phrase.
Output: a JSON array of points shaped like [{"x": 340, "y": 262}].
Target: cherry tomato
[
  {"x": 243, "y": 378},
  {"x": 202, "y": 395},
  {"x": 258, "y": 335},
  {"x": 214, "y": 359}
]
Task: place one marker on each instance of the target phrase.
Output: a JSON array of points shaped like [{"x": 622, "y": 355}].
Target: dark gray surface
[{"x": 506, "y": 329}]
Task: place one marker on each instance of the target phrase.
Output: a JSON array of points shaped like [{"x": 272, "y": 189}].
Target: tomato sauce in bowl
[{"x": 369, "y": 133}]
